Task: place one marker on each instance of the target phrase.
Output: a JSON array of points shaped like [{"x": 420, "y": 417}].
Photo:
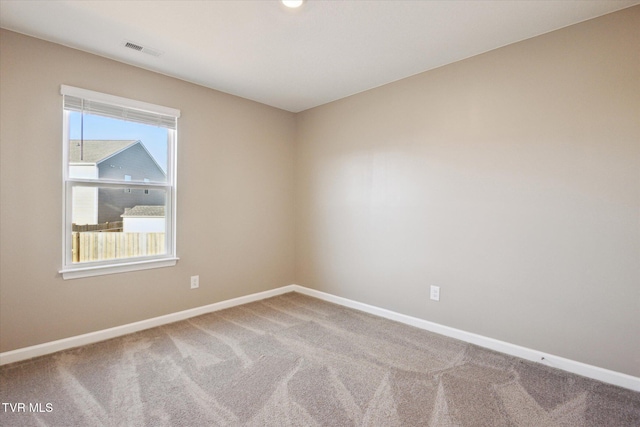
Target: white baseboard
[
  {"x": 105, "y": 334},
  {"x": 590, "y": 371}
]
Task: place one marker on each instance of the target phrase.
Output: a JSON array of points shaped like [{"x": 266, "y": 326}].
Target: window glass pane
[
  {"x": 109, "y": 223},
  {"x": 107, "y": 148},
  {"x": 119, "y": 175}
]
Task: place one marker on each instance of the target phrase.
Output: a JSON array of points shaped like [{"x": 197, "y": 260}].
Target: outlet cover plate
[
  {"x": 195, "y": 282},
  {"x": 435, "y": 293}
]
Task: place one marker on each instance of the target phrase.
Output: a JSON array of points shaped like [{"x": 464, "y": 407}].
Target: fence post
[{"x": 75, "y": 246}]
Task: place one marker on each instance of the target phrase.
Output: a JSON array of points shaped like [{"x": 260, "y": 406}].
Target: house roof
[
  {"x": 143, "y": 211},
  {"x": 96, "y": 150}
]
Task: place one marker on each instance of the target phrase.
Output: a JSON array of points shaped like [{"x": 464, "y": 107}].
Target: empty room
[{"x": 320, "y": 213}]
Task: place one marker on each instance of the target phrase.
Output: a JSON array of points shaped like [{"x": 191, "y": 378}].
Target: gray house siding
[
  {"x": 136, "y": 162},
  {"x": 113, "y": 202}
]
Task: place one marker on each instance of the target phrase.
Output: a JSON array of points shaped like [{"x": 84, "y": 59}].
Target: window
[{"x": 119, "y": 178}]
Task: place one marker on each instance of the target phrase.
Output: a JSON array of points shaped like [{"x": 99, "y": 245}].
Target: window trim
[{"x": 72, "y": 270}]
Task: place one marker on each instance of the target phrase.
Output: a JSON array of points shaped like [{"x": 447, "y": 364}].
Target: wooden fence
[
  {"x": 105, "y": 226},
  {"x": 96, "y": 246}
]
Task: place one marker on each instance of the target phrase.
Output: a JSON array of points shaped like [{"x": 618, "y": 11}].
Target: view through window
[{"x": 119, "y": 183}]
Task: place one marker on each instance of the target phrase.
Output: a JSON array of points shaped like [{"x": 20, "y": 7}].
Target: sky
[{"x": 98, "y": 127}]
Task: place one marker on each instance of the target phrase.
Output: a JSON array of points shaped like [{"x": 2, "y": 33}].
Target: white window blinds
[{"x": 82, "y": 100}]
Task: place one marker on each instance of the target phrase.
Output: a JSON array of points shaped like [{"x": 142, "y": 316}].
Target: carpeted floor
[{"x": 294, "y": 360}]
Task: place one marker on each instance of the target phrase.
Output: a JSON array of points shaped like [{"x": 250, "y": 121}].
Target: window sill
[{"x": 77, "y": 273}]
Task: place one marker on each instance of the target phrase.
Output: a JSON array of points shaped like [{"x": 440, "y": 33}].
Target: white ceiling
[{"x": 294, "y": 59}]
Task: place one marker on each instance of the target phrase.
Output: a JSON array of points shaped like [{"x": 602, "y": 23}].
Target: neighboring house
[
  {"x": 121, "y": 160},
  {"x": 144, "y": 219}
]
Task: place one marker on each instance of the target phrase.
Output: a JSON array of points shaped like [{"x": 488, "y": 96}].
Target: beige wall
[
  {"x": 511, "y": 180},
  {"x": 235, "y": 197}
]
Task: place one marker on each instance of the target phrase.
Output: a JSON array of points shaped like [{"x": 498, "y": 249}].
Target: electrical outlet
[
  {"x": 195, "y": 282},
  {"x": 435, "y": 293}
]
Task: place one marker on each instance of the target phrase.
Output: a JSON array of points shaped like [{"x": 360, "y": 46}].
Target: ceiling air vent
[
  {"x": 133, "y": 46},
  {"x": 147, "y": 50}
]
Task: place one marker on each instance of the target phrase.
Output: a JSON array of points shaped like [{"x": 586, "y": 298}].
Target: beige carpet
[{"x": 293, "y": 360}]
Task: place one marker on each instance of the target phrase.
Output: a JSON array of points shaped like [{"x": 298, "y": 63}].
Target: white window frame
[{"x": 71, "y": 270}]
